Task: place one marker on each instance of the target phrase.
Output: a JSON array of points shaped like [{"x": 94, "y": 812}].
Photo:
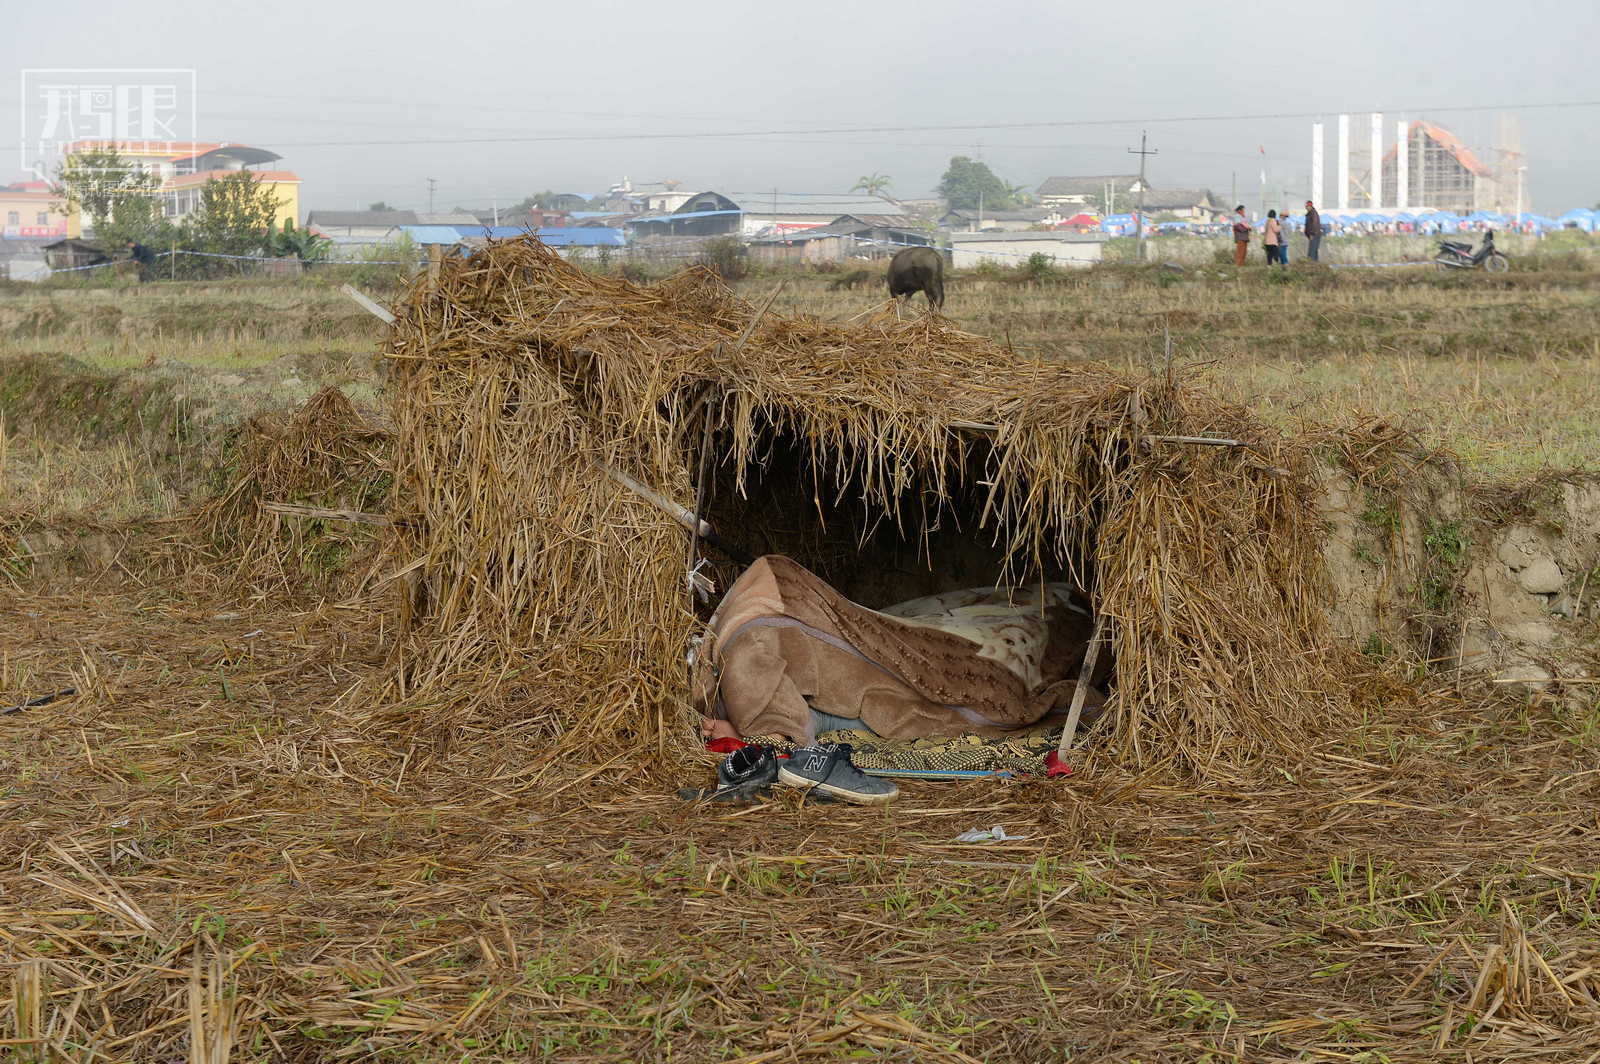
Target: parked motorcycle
[{"x": 1455, "y": 255}]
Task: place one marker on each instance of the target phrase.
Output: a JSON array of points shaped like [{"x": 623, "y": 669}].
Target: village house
[
  {"x": 776, "y": 213},
  {"x": 185, "y": 173},
  {"x": 848, "y": 236},
  {"x": 31, "y": 211},
  {"x": 354, "y": 230},
  {"x": 701, "y": 214},
  {"x": 1187, "y": 204},
  {"x": 972, "y": 221},
  {"x": 1095, "y": 191}
]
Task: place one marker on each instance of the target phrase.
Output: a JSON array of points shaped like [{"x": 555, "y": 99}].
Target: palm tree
[
  {"x": 1018, "y": 194},
  {"x": 874, "y": 184}
]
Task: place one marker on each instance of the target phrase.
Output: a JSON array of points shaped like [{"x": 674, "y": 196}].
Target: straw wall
[{"x": 516, "y": 373}]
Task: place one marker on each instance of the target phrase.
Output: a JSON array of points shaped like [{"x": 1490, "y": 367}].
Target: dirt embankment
[
  {"x": 1486, "y": 580},
  {"x": 183, "y": 310}
]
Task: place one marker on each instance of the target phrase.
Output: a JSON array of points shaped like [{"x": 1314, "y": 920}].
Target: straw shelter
[{"x": 894, "y": 458}]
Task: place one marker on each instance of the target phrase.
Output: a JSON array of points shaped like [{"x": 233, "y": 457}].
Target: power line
[{"x": 947, "y": 128}]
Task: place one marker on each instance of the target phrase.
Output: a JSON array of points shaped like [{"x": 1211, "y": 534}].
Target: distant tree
[
  {"x": 119, "y": 198},
  {"x": 235, "y": 216},
  {"x": 379, "y": 206},
  {"x": 550, "y": 200},
  {"x": 874, "y": 184},
  {"x": 966, "y": 181}
]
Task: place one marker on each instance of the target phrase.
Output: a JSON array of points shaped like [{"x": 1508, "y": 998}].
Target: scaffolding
[{"x": 1444, "y": 174}]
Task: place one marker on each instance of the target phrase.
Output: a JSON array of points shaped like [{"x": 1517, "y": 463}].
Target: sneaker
[
  {"x": 748, "y": 767},
  {"x": 828, "y": 770}
]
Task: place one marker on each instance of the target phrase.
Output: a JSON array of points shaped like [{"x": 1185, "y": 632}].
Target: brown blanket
[{"x": 985, "y": 660}]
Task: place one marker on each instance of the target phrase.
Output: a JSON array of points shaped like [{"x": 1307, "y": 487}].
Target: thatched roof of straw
[{"x": 515, "y": 369}]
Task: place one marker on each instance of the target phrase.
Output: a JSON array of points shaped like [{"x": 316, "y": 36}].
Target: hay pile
[
  {"x": 515, "y": 372},
  {"x": 325, "y": 455}
]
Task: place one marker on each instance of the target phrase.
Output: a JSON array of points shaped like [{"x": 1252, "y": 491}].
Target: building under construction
[
  {"x": 1426, "y": 166},
  {"x": 1447, "y": 175}
]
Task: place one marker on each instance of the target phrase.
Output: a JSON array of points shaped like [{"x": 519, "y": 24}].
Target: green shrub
[{"x": 727, "y": 257}]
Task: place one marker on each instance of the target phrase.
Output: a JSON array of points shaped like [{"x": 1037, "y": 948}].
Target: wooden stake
[{"x": 1086, "y": 670}]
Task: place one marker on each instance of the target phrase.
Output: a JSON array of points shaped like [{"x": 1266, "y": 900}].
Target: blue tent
[
  {"x": 1487, "y": 216},
  {"x": 1372, "y": 219},
  {"x": 1581, "y": 217},
  {"x": 1118, "y": 225},
  {"x": 1405, "y": 216}
]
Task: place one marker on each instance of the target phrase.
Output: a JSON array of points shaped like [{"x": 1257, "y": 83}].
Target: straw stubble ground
[{"x": 1414, "y": 891}]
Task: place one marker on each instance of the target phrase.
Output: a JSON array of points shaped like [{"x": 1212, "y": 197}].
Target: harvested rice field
[{"x": 283, "y": 820}]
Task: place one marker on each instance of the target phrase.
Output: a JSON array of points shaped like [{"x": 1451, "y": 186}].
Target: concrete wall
[{"x": 1006, "y": 249}]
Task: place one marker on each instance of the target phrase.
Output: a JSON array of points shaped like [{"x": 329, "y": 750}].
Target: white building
[
  {"x": 1013, "y": 249},
  {"x": 777, "y": 213}
]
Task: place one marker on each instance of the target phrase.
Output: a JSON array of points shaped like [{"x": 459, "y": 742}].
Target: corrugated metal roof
[
  {"x": 758, "y": 203},
  {"x": 432, "y": 234},
  {"x": 583, "y": 236},
  {"x": 678, "y": 217}
]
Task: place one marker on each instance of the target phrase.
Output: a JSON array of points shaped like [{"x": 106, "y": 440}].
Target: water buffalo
[{"x": 915, "y": 270}]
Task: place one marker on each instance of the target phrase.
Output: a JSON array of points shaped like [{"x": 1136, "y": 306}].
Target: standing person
[
  {"x": 1313, "y": 232},
  {"x": 1283, "y": 239},
  {"x": 1271, "y": 234},
  {"x": 1241, "y": 235}
]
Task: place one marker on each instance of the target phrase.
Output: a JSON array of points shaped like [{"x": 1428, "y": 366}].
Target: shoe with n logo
[{"x": 828, "y": 770}]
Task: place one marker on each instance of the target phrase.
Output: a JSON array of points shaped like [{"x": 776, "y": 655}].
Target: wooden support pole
[
  {"x": 1090, "y": 657},
  {"x": 370, "y": 307}
]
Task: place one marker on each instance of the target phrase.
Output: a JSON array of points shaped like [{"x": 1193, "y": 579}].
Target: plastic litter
[{"x": 994, "y": 834}]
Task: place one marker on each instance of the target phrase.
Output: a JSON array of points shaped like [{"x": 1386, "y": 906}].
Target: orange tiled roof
[
  {"x": 1450, "y": 143},
  {"x": 278, "y": 177},
  {"x": 179, "y": 149}
]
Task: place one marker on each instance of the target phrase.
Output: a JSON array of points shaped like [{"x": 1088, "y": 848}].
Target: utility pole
[
  {"x": 1138, "y": 218},
  {"x": 496, "y": 202},
  {"x": 432, "y": 184},
  {"x": 1233, "y": 189}
]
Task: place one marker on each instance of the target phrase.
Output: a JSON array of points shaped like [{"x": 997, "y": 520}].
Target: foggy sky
[{"x": 321, "y": 83}]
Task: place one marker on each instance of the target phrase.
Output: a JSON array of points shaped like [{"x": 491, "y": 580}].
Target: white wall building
[
  {"x": 1013, "y": 249},
  {"x": 776, "y": 213}
]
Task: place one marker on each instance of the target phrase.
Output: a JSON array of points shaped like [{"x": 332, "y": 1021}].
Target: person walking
[
  {"x": 1271, "y": 234},
  {"x": 1313, "y": 232},
  {"x": 1241, "y": 235}
]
